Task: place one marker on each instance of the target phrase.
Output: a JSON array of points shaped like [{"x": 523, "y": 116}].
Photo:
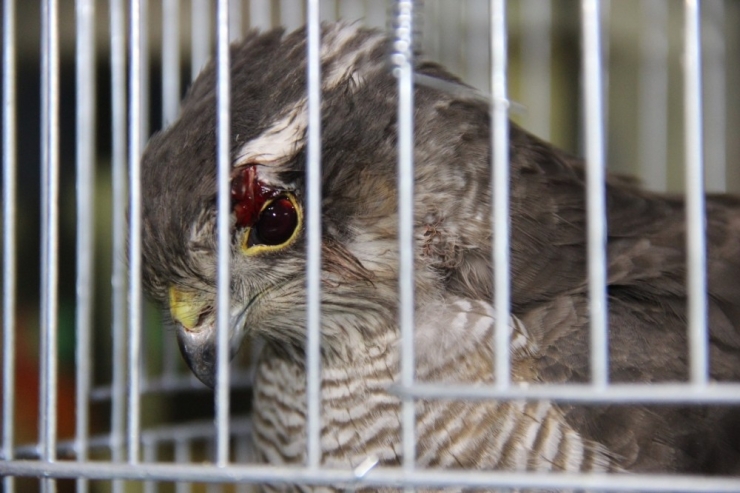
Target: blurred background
[{"x": 642, "y": 47}]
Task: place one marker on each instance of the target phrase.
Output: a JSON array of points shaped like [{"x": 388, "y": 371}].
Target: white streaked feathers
[
  {"x": 573, "y": 448},
  {"x": 279, "y": 143},
  {"x": 361, "y": 418},
  {"x": 455, "y": 329},
  {"x": 551, "y": 440}
]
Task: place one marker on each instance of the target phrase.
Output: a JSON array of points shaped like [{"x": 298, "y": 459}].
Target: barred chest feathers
[{"x": 361, "y": 418}]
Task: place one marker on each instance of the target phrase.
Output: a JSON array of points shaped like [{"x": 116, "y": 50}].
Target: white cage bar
[
  {"x": 695, "y": 211},
  {"x": 49, "y": 235},
  {"x": 118, "y": 275},
  {"x": 85, "y": 72},
  {"x": 500, "y": 163},
  {"x": 10, "y": 180},
  {"x": 136, "y": 116},
  {"x": 404, "y": 69},
  {"x": 223, "y": 163},
  {"x": 313, "y": 236},
  {"x": 595, "y": 190},
  {"x": 477, "y": 37}
]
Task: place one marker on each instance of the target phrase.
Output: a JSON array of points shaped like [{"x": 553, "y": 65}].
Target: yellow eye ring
[{"x": 277, "y": 227}]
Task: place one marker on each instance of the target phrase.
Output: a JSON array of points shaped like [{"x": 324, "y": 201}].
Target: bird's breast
[{"x": 360, "y": 418}]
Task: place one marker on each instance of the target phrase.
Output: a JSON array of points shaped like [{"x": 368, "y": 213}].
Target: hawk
[{"x": 453, "y": 273}]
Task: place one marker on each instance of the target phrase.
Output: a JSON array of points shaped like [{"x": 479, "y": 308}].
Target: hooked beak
[{"x": 196, "y": 332}]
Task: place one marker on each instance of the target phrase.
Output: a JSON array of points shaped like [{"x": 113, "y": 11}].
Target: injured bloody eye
[{"x": 276, "y": 224}]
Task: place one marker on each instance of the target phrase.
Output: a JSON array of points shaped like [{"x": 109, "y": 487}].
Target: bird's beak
[{"x": 196, "y": 333}]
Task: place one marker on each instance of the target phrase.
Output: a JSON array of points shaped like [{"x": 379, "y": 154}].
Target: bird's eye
[
  {"x": 276, "y": 223},
  {"x": 276, "y": 227}
]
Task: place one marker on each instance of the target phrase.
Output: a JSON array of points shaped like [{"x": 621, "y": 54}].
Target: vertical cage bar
[
  {"x": 313, "y": 235},
  {"x": 696, "y": 222},
  {"x": 10, "y": 179},
  {"x": 714, "y": 93},
  {"x": 85, "y": 97},
  {"x": 500, "y": 163},
  {"x": 118, "y": 219},
  {"x": 170, "y": 63},
  {"x": 134, "y": 286},
  {"x": 653, "y": 95},
  {"x": 224, "y": 235},
  {"x": 536, "y": 59},
  {"x": 595, "y": 189},
  {"x": 201, "y": 35},
  {"x": 49, "y": 233},
  {"x": 404, "y": 68}
]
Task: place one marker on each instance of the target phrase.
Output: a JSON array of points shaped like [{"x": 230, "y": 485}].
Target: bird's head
[{"x": 359, "y": 206}]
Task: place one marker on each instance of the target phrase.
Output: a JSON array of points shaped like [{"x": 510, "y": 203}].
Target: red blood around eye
[
  {"x": 243, "y": 214},
  {"x": 248, "y": 196},
  {"x": 276, "y": 223}
]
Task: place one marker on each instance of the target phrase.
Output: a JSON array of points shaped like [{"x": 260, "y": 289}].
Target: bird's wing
[
  {"x": 647, "y": 297},
  {"x": 647, "y": 343}
]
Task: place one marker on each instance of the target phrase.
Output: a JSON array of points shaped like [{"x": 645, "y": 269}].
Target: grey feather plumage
[{"x": 453, "y": 278}]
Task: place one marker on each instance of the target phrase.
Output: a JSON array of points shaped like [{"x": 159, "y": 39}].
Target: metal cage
[{"x": 93, "y": 402}]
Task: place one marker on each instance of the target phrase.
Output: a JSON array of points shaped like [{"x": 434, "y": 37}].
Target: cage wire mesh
[{"x": 95, "y": 394}]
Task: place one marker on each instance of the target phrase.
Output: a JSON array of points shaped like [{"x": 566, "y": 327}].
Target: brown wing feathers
[{"x": 647, "y": 304}]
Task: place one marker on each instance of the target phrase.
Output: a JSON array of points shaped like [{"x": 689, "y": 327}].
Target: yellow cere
[{"x": 185, "y": 307}]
